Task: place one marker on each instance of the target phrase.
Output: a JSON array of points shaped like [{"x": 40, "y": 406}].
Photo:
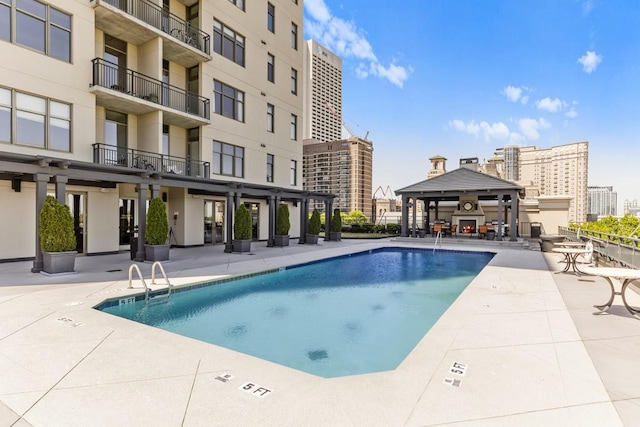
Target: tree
[{"x": 157, "y": 227}]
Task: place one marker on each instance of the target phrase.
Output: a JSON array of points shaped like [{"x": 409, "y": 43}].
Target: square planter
[
  {"x": 59, "y": 262},
  {"x": 156, "y": 252},
  {"x": 281, "y": 240},
  {"x": 335, "y": 236},
  {"x": 311, "y": 239},
  {"x": 241, "y": 245}
]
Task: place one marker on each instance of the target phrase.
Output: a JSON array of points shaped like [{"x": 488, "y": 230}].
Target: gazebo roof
[{"x": 461, "y": 180}]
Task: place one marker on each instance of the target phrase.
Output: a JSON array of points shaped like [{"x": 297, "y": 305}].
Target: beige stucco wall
[
  {"x": 17, "y": 221},
  {"x": 102, "y": 220}
]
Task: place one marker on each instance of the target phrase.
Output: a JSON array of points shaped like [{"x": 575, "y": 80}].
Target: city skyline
[{"x": 460, "y": 79}]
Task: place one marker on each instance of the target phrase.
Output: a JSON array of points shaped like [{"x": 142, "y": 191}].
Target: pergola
[{"x": 456, "y": 185}]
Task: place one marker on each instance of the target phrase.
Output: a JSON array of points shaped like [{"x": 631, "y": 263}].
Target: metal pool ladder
[
  {"x": 438, "y": 238},
  {"x": 153, "y": 279}
]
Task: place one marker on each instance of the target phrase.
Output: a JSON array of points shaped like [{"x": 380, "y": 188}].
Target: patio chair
[
  {"x": 588, "y": 257},
  {"x": 452, "y": 230},
  {"x": 437, "y": 228},
  {"x": 482, "y": 231}
]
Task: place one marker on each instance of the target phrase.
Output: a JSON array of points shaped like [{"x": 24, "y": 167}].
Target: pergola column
[
  {"x": 61, "y": 188},
  {"x": 142, "y": 220},
  {"x": 228, "y": 245},
  {"x": 413, "y": 213},
  {"x": 272, "y": 222},
  {"x": 328, "y": 209},
  {"x": 404, "y": 227},
  {"x": 304, "y": 214},
  {"x": 155, "y": 190},
  {"x": 41, "y": 181}
]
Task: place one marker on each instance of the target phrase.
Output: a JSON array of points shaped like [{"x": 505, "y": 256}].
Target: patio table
[
  {"x": 570, "y": 256},
  {"x": 625, "y": 276}
]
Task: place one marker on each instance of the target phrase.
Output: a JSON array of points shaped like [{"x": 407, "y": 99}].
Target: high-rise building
[
  {"x": 199, "y": 103},
  {"x": 601, "y": 201},
  {"x": 343, "y": 168},
  {"x": 322, "y": 94},
  {"x": 559, "y": 170}
]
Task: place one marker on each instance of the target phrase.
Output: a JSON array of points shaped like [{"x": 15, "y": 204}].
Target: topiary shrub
[
  {"x": 314, "y": 223},
  {"x": 336, "y": 221},
  {"x": 282, "y": 224},
  {"x": 157, "y": 227},
  {"x": 55, "y": 225},
  {"x": 242, "y": 223}
]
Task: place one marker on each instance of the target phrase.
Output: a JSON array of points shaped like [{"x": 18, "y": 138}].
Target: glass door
[
  {"x": 254, "y": 209},
  {"x": 76, "y": 203},
  {"x": 128, "y": 224},
  {"x": 213, "y": 222}
]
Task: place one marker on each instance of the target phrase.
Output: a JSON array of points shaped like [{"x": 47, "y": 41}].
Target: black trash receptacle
[
  {"x": 536, "y": 229},
  {"x": 491, "y": 234},
  {"x": 133, "y": 246}
]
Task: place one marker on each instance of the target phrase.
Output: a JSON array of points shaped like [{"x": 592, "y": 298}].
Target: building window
[
  {"x": 37, "y": 26},
  {"x": 270, "y": 118},
  {"x": 294, "y": 36},
  {"x": 229, "y": 102},
  {"x": 228, "y": 43},
  {"x": 38, "y": 122},
  {"x": 294, "y": 173},
  {"x": 271, "y": 65},
  {"x": 269, "y": 167},
  {"x": 271, "y": 17},
  {"x": 238, "y": 3},
  {"x": 228, "y": 159},
  {"x": 294, "y": 81},
  {"x": 294, "y": 127}
]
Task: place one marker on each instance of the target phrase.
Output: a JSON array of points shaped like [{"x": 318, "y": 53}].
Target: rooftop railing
[
  {"x": 165, "y": 21},
  {"x": 624, "y": 250},
  {"x": 124, "y": 80},
  {"x": 153, "y": 162}
]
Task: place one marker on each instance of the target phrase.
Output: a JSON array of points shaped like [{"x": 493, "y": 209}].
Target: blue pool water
[{"x": 343, "y": 316}]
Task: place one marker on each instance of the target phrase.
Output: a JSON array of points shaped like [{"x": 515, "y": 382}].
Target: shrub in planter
[
  {"x": 242, "y": 230},
  {"x": 336, "y": 226},
  {"x": 57, "y": 237},
  {"x": 157, "y": 231},
  {"x": 282, "y": 226},
  {"x": 313, "y": 228}
]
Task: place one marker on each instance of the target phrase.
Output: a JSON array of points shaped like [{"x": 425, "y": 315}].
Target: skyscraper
[{"x": 601, "y": 201}]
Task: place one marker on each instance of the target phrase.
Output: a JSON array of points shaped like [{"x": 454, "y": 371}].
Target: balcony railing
[
  {"x": 153, "y": 162},
  {"x": 624, "y": 250},
  {"x": 165, "y": 21},
  {"x": 111, "y": 76}
]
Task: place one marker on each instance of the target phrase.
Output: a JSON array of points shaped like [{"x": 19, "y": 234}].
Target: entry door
[
  {"x": 127, "y": 220},
  {"x": 254, "y": 209},
  {"x": 76, "y": 203},
  {"x": 213, "y": 222}
]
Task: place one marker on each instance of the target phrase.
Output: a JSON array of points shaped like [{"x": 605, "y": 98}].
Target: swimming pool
[{"x": 348, "y": 315}]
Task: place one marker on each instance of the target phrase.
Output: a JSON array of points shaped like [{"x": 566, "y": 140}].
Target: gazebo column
[
  {"x": 414, "y": 206},
  {"x": 272, "y": 221},
  {"x": 500, "y": 219},
  {"x": 513, "y": 227},
  {"x": 404, "y": 227},
  {"x": 304, "y": 215},
  {"x": 427, "y": 205},
  {"x": 437, "y": 214},
  {"x": 328, "y": 211}
]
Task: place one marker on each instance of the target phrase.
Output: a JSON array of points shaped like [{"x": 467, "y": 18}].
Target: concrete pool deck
[{"x": 531, "y": 351}]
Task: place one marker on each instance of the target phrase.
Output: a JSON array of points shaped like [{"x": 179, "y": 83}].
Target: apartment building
[
  {"x": 557, "y": 171},
  {"x": 105, "y": 104},
  {"x": 322, "y": 94},
  {"x": 601, "y": 201},
  {"x": 343, "y": 168}
]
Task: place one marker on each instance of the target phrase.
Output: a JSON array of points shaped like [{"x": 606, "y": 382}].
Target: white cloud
[
  {"x": 515, "y": 94},
  {"x": 590, "y": 61},
  {"x": 346, "y": 40},
  {"x": 550, "y": 105},
  {"x": 529, "y": 127},
  {"x": 587, "y": 6},
  {"x": 572, "y": 113}
]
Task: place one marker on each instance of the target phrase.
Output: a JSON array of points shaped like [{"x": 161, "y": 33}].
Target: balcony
[
  {"x": 128, "y": 91},
  {"x": 147, "y": 161},
  {"x": 138, "y": 21}
]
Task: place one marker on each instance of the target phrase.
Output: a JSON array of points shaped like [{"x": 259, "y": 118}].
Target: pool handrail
[
  {"x": 146, "y": 288},
  {"x": 153, "y": 276}
]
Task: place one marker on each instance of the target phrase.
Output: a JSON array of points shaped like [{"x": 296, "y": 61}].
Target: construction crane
[{"x": 350, "y": 133}]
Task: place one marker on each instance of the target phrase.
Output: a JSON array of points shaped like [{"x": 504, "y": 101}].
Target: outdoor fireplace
[{"x": 467, "y": 226}]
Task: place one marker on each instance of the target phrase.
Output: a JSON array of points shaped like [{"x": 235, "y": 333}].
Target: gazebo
[{"x": 467, "y": 187}]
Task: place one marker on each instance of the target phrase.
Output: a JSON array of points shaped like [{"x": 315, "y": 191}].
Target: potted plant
[
  {"x": 336, "y": 226},
  {"x": 156, "y": 232},
  {"x": 313, "y": 228},
  {"x": 242, "y": 230},
  {"x": 282, "y": 226},
  {"x": 57, "y": 237}
]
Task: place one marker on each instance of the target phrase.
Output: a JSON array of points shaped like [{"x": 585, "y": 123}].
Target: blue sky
[{"x": 460, "y": 78}]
